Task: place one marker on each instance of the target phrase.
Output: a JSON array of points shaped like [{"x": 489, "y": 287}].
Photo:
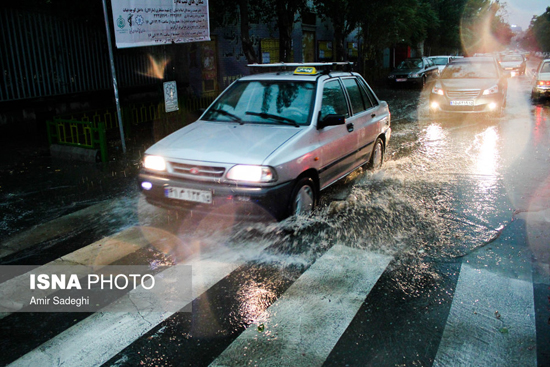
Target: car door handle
[
  {"x": 350, "y": 127},
  {"x": 373, "y": 115}
]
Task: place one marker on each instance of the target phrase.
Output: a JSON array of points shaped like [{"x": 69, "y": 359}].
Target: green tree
[
  {"x": 444, "y": 37},
  {"x": 538, "y": 37},
  {"x": 483, "y": 29},
  {"x": 244, "y": 14},
  {"x": 392, "y": 22},
  {"x": 344, "y": 18},
  {"x": 285, "y": 13}
]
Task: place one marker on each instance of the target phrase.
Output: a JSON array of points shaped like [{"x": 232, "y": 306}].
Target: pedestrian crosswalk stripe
[
  {"x": 84, "y": 261},
  {"x": 303, "y": 326},
  {"x": 99, "y": 337},
  {"x": 491, "y": 322}
]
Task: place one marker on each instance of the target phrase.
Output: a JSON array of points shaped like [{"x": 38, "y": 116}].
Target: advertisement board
[{"x": 143, "y": 23}]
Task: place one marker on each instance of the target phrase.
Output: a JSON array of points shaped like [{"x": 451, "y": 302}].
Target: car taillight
[{"x": 543, "y": 82}]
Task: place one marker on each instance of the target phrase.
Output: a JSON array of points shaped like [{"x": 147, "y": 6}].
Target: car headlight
[
  {"x": 391, "y": 76},
  {"x": 252, "y": 174},
  {"x": 492, "y": 90},
  {"x": 438, "y": 90},
  {"x": 154, "y": 162},
  {"x": 414, "y": 75}
]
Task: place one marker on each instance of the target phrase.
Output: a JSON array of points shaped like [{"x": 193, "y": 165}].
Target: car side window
[
  {"x": 334, "y": 101},
  {"x": 357, "y": 99},
  {"x": 370, "y": 99},
  {"x": 545, "y": 68}
]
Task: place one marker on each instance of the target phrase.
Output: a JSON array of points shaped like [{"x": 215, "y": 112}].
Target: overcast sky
[{"x": 520, "y": 12}]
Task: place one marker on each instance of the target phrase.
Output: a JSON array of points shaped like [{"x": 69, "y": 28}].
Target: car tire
[
  {"x": 377, "y": 156},
  {"x": 304, "y": 197},
  {"x": 535, "y": 97}
]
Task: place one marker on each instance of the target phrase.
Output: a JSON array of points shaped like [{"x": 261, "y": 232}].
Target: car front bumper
[
  {"x": 242, "y": 202},
  {"x": 482, "y": 104},
  {"x": 404, "y": 80}
]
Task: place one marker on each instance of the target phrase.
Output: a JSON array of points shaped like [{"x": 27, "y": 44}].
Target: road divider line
[{"x": 303, "y": 326}]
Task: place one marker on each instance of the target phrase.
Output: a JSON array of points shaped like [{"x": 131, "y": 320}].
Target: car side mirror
[{"x": 331, "y": 120}]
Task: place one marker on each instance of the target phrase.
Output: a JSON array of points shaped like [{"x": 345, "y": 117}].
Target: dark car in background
[
  {"x": 413, "y": 71},
  {"x": 470, "y": 85},
  {"x": 541, "y": 85}
]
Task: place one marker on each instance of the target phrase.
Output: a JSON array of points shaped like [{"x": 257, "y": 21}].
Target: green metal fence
[
  {"x": 83, "y": 134},
  {"x": 91, "y": 129}
]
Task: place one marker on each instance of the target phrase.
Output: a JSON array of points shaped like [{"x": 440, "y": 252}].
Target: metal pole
[{"x": 113, "y": 74}]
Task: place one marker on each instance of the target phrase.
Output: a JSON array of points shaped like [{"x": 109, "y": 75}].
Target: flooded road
[{"x": 397, "y": 266}]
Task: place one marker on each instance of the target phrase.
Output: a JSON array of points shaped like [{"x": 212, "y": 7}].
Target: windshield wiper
[
  {"x": 280, "y": 119},
  {"x": 229, "y": 114}
]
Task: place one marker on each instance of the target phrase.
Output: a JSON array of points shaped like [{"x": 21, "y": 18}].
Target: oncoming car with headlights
[
  {"x": 470, "y": 85},
  {"x": 269, "y": 144}
]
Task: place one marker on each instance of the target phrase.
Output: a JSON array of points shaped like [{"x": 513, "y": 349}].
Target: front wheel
[
  {"x": 303, "y": 197},
  {"x": 377, "y": 155}
]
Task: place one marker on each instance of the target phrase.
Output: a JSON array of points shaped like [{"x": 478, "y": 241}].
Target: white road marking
[
  {"x": 101, "y": 336},
  {"x": 83, "y": 261},
  {"x": 491, "y": 322},
  {"x": 304, "y": 325}
]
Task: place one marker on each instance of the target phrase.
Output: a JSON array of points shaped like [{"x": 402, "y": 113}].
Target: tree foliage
[
  {"x": 483, "y": 28},
  {"x": 537, "y": 37},
  {"x": 344, "y": 17}
]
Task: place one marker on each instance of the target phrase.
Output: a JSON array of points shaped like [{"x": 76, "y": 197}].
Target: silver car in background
[
  {"x": 442, "y": 61},
  {"x": 470, "y": 85},
  {"x": 269, "y": 144},
  {"x": 541, "y": 81}
]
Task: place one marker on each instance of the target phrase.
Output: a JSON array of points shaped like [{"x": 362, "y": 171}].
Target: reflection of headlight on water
[{"x": 487, "y": 159}]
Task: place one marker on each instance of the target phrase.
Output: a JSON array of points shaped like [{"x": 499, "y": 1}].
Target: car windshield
[
  {"x": 410, "y": 64},
  {"x": 545, "y": 68},
  {"x": 285, "y": 102},
  {"x": 466, "y": 70},
  {"x": 512, "y": 58},
  {"x": 440, "y": 60}
]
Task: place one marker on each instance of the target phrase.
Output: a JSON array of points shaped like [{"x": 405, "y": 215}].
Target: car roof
[
  {"x": 290, "y": 76},
  {"x": 298, "y": 71},
  {"x": 473, "y": 59}
]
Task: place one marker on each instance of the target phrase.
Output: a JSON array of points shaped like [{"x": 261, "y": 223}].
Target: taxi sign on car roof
[{"x": 308, "y": 70}]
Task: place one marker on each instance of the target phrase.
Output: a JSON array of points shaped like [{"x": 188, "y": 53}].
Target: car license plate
[
  {"x": 401, "y": 79},
  {"x": 181, "y": 193},
  {"x": 462, "y": 103}
]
